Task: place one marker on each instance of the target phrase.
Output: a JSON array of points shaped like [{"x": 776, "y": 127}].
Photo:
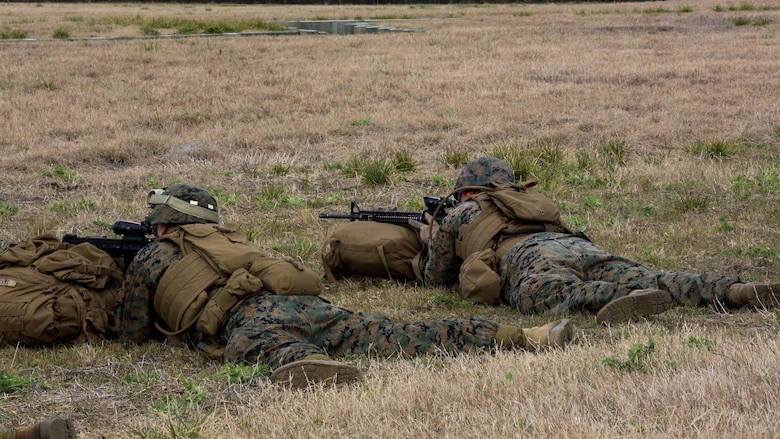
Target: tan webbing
[
  {"x": 182, "y": 284},
  {"x": 480, "y": 233}
]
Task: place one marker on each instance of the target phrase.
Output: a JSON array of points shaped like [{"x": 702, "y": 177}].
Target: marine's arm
[
  {"x": 135, "y": 313},
  {"x": 443, "y": 265}
]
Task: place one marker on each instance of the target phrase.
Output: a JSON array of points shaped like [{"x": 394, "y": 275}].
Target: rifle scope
[{"x": 132, "y": 228}]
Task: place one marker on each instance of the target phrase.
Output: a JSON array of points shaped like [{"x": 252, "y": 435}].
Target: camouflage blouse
[
  {"x": 135, "y": 308},
  {"x": 443, "y": 265}
]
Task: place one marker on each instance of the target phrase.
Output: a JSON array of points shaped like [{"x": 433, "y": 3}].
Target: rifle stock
[{"x": 135, "y": 236}]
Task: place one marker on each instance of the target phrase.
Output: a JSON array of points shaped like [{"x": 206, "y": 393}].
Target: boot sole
[
  {"x": 303, "y": 373},
  {"x": 635, "y": 306}
]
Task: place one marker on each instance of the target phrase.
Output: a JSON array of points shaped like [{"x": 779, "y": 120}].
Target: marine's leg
[
  {"x": 558, "y": 274},
  {"x": 343, "y": 332},
  {"x": 274, "y": 330}
]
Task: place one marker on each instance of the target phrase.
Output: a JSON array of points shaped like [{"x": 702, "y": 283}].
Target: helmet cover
[
  {"x": 484, "y": 171},
  {"x": 182, "y": 204}
]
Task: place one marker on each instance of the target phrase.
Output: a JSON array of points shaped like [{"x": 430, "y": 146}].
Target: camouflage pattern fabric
[
  {"x": 162, "y": 214},
  {"x": 276, "y": 330},
  {"x": 483, "y": 171},
  {"x": 556, "y": 273}
]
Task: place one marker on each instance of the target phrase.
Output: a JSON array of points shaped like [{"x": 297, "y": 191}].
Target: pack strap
[
  {"x": 99, "y": 270},
  {"x": 418, "y": 262},
  {"x": 380, "y": 249}
]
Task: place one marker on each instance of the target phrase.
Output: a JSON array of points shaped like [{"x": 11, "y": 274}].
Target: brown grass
[{"x": 89, "y": 126}]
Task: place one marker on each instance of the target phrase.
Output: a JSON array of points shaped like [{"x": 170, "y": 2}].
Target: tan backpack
[
  {"x": 369, "y": 248},
  {"x": 53, "y": 293}
]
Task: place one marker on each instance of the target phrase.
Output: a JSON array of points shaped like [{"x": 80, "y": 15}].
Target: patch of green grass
[
  {"x": 294, "y": 201},
  {"x": 455, "y": 158},
  {"x": 689, "y": 200},
  {"x": 73, "y": 207},
  {"x": 361, "y": 122},
  {"x": 8, "y": 209},
  {"x": 12, "y": 34},
  {"x": 373, "y": 172},
  {"x": 700, "y": 343},
  {"x": 151, "y": 25},
  {"x": 280, "y": 169},
  {"x": 243, "y": 373},
  {"x": 12, "y": 383},
  {"x": 766, "y": 181},
  {"x": 758, "y": 251},
  {"x": 592, "y": 202},
  {"x": 297, "y": 248},
  {"x": 653, "y": 11},
  {"x": 744, "y": 6},
  {"x": 543, "y": 160},
  {"x": 613, "y": 153},
  {"x": 183, "y": 413},
  {"x": 378, "y": 172},
  {"x": 61, "y": 173},
  {"x": 724, "y": 225},
  {"x": 404, "y": 162},
  {"x": 640, "y": 359},
  {"x": 269, "y": 196},
  {"x": 714, "y": 149},
  {"x": 635, "y": 207},
  {"x": 48, "y": 84},
  {"x": 442, "y": 182},
  {"x": 61, "y": 33}
]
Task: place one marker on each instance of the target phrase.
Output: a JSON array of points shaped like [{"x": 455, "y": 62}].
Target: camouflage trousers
[
  {"x": 555, "y": 273},
  {"x": 275, "y": 330}
]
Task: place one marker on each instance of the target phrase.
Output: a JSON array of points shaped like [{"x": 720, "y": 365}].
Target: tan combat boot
[
  {"x": 761, "y": 295},
  {"x": 315, "y": 369},
  {"x": 638, "y": 303},
  {"x": 54, "y": 428},
  {"x": 555, "y": 334}
]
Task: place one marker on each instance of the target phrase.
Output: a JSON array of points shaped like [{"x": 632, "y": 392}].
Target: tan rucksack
[
  {"x": 53, "y": 293},
  {"x": 369, "y": 248}
]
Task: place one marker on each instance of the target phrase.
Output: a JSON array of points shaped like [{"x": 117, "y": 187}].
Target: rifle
[
  {"x": 134, "y": 238},
  {"x": 396, "y": 217}
]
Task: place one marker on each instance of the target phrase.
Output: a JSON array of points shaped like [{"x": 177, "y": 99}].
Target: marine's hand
[{"x": 425, "y": 231}]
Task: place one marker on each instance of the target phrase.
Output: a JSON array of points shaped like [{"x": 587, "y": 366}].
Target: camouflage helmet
[
  {"x": 181, "y": 204},
  {"x": 484, "y": 171}
]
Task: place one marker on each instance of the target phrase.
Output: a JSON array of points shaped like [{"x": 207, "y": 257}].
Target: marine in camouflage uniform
[
  {"x": 297, "y": 335},
  {"x": 560, "y": 273}
]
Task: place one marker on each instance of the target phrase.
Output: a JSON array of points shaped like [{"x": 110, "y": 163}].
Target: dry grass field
[{"x": 654, "y": 125}]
